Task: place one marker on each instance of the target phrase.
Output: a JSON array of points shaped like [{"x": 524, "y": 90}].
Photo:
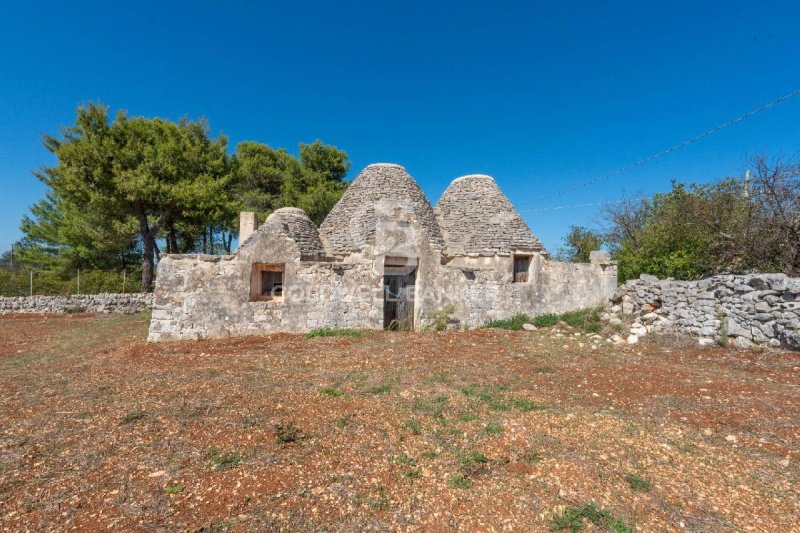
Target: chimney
[{"x": 247, "y": 225}]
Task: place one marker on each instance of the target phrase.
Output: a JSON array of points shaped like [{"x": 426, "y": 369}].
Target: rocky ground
[{"x": 473, "y": 431}]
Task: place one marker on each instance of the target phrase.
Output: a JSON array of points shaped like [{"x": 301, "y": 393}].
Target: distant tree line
[
  {"x": 731, "y": 226},
  {"x": 126, "y": 190}
]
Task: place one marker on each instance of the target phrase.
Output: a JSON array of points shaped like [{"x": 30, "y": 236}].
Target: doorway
[{"x": 399, "y": 280}]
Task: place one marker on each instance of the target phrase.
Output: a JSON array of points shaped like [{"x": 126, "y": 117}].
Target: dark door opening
[{"x": 399, "y": 280}]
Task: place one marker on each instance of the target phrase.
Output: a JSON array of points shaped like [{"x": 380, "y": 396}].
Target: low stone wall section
[
  {"x": 743, "y": 310},
  {"x": 128, "y": 303}
]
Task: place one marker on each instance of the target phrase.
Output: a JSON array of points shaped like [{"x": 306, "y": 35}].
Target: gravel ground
[{"x": 475, "y": 431}]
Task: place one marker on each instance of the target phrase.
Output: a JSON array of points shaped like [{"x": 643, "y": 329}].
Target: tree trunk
[
  {"x": 147, "y": 235},
  {"x": 148, "y": 262}
]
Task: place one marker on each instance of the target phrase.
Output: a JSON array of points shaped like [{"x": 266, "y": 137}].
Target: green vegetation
[
  {"x": 526, "y": 405},
  {"x": 572, "y": 519},
  {"x": 57, "y": 283},
  {"x": 381, "y": 389},
  {"x": 334, "y": 332},
  {"x": 513, "y": 323},
  {"x": 333, "y": 392},
  {"x": 459, "y": 481},
  {"x": 287, "y": 432},
  {"x": 638, "y": 483},
  {"x": 222, "y": 461},
  {"x": 440, "y": 318},
  {"x": 414, "y": 426},
  {"x": 493, "y": 429},
  {"x": 132, "y": 417},
  {"x": 176, "y": 489},
  {"x": 124, "y": 187},
  {"x": 586, "y": 319}
]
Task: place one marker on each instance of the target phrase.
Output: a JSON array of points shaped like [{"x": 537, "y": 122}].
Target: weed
[
  {"x": 414, "y": 426},
  {"x": 440, "y": 318},
  {"x": 545, "y": 321},
  {"x": 405, "y": 459},
  {"x": 459, "y": 481},
  {"x": 493, "y": 429},
  {"x": 514, "y": 323},
  {"x": 344, "y": 421},
  {"x": 472, "y": 390},
  {"x": 334, "y": 332},
  {"x": 222, "y": 461},
  {"x": 724, "y": 332},
  {"x": 430, "y": 454},
  {"x": 468, "y": 417},
  {"x": 638, "y": 483},
  {"x": 531, "y": 456},
  {"x": 442, "y": 399},
  {"x": 287, "y": 432},
  {"x": 132, "y": 417},
  {"x": 176, "y": 489},
  {"x": 381, "y": 503},
  {"x": 333, "y": 392},
  {"x": 526, "y": 405},
  {"x": 572, "y": 519},
  {"x": 586, "y": 319},
  {"x": 473, "y": 463},
  {"x": 497, "y": 405},
  {"x": 381, "y": 389},
  {"x": 413, "y": 474}
]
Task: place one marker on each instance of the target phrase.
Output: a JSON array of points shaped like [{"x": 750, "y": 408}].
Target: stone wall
[
  {"x": 128, "y": 303},
  {"x": 743, "y": 310},
  {"x": 480, "y": 291}
]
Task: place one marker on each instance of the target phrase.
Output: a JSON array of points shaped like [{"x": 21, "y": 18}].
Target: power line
[
  {"x": 672, "y": 148},
  {"x": 537, "y": 210}
]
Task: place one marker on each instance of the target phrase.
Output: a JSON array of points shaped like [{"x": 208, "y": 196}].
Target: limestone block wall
[
  {"x": 746, "y": 309},
  {"x": 486, "y": 292},
  {"x": 128, "y": 303}
]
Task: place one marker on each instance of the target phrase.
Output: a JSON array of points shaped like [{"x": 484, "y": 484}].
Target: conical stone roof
[
  {"x": 377, "y": 192},
  {"x": 476, "y": 218},
  {"x": 300, "y": 228}
]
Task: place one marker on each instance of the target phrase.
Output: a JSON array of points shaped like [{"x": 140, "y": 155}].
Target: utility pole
[{"x": 747, "y": 184}]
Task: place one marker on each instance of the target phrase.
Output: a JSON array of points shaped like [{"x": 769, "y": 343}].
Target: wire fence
[{"x": 26, "y": 282}]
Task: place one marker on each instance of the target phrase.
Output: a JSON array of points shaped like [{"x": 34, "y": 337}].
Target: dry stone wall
[
  {"x": 128, "y": 303},
  {"x": 742, "y": 310}
]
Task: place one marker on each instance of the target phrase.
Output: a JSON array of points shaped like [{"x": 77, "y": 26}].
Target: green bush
[
  {"x": 586, "y": 319},
  {"x": 544, "y": 321},
  {"x": 334, "y": 332},
  {"x": 513, "y": 323},
  {"x": 17, "y": 283}
]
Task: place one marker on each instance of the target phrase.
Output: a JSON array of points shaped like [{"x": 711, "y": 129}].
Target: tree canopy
[
  {"x": 124, "y": 188},
  {"x": 697, "y": 230}
]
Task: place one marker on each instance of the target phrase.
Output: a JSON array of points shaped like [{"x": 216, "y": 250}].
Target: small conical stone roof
[
  {"x": 300, "y": 228},
  {"x": 476, "y": 218},
  {"x": 378, "y": 191}
]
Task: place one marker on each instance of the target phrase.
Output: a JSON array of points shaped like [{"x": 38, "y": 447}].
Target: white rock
[
  {"x": 632, "y": 339},
  {"x": 705, "y": 341},
  {"x": 528, "y": 327}
]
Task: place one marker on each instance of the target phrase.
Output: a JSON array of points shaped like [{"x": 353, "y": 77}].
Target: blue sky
[{"x": 539, "y": 95}]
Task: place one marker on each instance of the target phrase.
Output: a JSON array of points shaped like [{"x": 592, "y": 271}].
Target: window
[
  {"x": 266, "y": 282},
  {"x": 522, "y": 263}
]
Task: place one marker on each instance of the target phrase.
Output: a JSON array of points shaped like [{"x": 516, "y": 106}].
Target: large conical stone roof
[
  {"x": 300, "y": 228},
  {"x": 377, "y": 192},
  {"x": 476, "y": 218}
]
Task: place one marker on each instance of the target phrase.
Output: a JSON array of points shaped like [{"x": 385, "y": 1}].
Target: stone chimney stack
[{"x": 247, "y": 225}]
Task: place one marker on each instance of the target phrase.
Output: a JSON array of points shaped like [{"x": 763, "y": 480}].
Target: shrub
[
  {"x": 638, "y": 483},
  {"x": 544, "y": 321},
  {"x": 334, "y": 332},
  {"x": 514, "y": 323},
  {"x": 221, "y": 461},
  {"x": 459, "y": 481},
  {"x": 441, "y": 317},
  {"x": 572, "y": 519},
  {"x": 287, "y": 432}
]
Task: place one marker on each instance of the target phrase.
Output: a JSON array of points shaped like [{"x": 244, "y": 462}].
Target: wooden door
[{"x": 398, "y": 301}]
